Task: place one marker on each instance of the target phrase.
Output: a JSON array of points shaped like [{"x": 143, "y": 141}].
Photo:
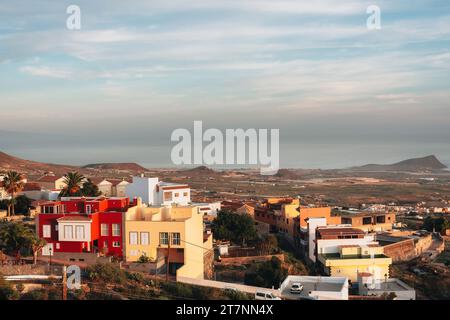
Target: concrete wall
[{"x": 226, "y": 285}]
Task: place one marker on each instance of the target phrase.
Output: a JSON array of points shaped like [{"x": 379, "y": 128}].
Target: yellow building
[
  {"x": 171, "y": 233},
  {"x": 347, "y": 252},
  {"x": 288, "y": 216}
]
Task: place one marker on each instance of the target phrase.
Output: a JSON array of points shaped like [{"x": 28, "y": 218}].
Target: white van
[{"x": 262, "y": 295}]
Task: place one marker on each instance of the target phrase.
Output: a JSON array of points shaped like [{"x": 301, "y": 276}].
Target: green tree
[
  {"x": 74, "y": 182},
  {"x": 13, "y": 237},
  {"x": 17, "y": 238},
  {"x": 267, "y": 274},
  {"x": 237, "y": 228},
  {"x": 13, "y": 184},
  {"x": 22, "y": 204},
  {"x": 436, "y": 224},
  {"x": 35, "y": 244},
  {"x": 90, "y": 189}
]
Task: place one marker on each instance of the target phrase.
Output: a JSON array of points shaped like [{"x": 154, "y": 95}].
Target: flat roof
[
  {"x": 337, "y": 256},
  {"x": 339, "y": 231},
  {"x": 74, "y": 218},
  {"x": 351, "y": 213},
  {"x": 311, "y": 283}
]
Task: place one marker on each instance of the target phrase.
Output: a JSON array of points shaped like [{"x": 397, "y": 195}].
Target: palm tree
[
  {"x": 73, "y": 182},
  {"x": 13, "y": 237},
  {"x": 13, "y": 184}
]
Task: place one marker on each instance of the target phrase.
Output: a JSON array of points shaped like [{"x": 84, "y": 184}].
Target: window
[
  {"x": 367, "y": 220},
  {"x": 64, "y": 208},
  {"x": 163, "y": 238},
  {"x": 105, "y": 244},
  {"x": 116, "y": 244},
  {"x": 133, "y": 238},
  {"x": 177, "y": 195},
  {"x": 116, "y": 230},
  {"x": 145, "y": 238},
  {"x": 346, "y": 220},
  {"x": 104, "y": 230},
  {"x": 167, "y": 196},
  {"x": 176, "y": 238},
  {"x": 48, "y": 209},
  {"x": 79, "y": 232},
  {"x": 68, "y": 232},
  {"x": 88, "y": 209},
  {"x": 57, "y": 245},
  {"x": 46, "y": 230},
  {"x": 185, "y": 194}
]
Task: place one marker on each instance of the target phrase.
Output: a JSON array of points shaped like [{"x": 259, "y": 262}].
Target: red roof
[
  {"x": 174, "y": 187},
  {"x": 32, "y": 186},
  {"x": 48, "y": 178}
]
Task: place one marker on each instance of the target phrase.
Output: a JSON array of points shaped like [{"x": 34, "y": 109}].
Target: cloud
[{"x": 45, "y": 71}]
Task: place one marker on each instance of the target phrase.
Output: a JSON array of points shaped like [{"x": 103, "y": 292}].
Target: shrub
[
  {"x": 134, "y": 276},
  {"x": 143, "y": 259},
  {"x": 7, "y": 291},
  {"x": 106, "y": 272}
]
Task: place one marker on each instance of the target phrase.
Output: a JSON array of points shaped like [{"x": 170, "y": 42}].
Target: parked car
[
  {"x": 262, "y": 295},
  {"x": 296, "y": 287},
  {"x": 230, "y": 289}
]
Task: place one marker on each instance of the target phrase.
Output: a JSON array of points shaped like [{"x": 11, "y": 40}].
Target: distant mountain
[
  {"x": 429, "y": 163},
  {"x": 202, "y": 170},
  {"x": 8, "y": 162},
  {"x": 116, "y": 166}
]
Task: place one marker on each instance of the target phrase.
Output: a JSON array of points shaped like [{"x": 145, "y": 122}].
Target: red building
[{"x": 78, "y": 224}]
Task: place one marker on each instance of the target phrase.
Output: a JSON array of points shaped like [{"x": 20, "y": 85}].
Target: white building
[
  {"x": 208, "y": 209},
  {"x": 369, "y": 286},
  {"x": 113, "y": 187},
  {"x": 156, "y": 193},
  {"x": 313, "y": 224},
  {"x": 316, "y": 288}
]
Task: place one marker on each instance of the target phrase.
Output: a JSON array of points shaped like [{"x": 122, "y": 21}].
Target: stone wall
[
  {"x": 28, "y": 269},
  {"x": 248, "y": 260},
  {"x": 149, "y": 267},
  {"x": 208, "y": 262},
  {"x": 401, "y": 251}
]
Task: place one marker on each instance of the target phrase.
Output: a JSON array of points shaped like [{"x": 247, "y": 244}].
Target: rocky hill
[
  {"x": 8, "y": 162},
  {"x": 428, "y": 163}
]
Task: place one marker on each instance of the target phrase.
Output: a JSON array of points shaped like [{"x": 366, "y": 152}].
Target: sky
[{"x": 113, "y": 91}]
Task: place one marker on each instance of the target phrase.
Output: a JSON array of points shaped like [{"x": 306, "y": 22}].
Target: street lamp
[
  {"x": 50, "y": 264},
  {"x": 385, "y": 280}
]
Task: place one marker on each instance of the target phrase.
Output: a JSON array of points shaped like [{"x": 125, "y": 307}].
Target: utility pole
[
  {"x": 168, "y": 257},
  {"x": 64, "y": 283}
]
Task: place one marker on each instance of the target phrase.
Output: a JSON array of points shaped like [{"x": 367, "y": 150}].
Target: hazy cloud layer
[{"x": 136, "y": 71}]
